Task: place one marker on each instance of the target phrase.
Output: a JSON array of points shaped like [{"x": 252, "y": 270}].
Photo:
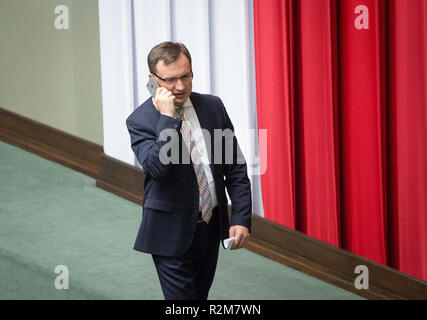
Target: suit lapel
[{"x": 202, "y": 115}]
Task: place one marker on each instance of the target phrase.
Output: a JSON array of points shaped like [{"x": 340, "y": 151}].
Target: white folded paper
[{"x": 228, "y": 242}]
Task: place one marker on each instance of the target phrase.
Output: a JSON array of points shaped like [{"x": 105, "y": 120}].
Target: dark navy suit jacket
[{"x": 171, "y": 195}]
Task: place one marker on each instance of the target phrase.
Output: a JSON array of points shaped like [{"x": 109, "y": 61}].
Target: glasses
[{"x": 171, "y": 81}]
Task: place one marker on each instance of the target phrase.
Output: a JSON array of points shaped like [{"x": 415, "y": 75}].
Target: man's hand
[
  {"x": 164, "y": 101},
  {"x": 241, "y": 235}
]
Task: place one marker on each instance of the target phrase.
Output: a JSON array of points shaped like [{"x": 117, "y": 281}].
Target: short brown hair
[{"x": 168, "y": 52}]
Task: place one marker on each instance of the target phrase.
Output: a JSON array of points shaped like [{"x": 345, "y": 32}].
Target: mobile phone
[{"x": 152, "y": 85}]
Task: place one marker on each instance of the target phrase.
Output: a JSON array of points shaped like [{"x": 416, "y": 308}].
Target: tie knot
[{"x": 180, "y": 113}]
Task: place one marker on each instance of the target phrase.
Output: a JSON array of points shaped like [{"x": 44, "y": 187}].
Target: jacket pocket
[{"x": 159, "y": 205}]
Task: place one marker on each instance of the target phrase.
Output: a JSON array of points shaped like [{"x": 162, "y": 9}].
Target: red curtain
[
  {"x": 341, "y": 90},
  {"x": 275, "y": 106},
  {"x": 316, "y": 136},
  {"x": 362, "y": 127},
  {"x": 408, "y": 135}
]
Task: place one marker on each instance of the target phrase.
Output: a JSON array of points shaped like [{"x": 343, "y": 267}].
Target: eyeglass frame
[{"x": 169, "y": 80}]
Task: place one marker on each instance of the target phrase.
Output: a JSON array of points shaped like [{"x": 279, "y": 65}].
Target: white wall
[{"x": 219, "y": 36}]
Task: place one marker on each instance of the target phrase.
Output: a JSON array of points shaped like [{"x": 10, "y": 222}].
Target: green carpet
[{"x": 51, "y": 215}]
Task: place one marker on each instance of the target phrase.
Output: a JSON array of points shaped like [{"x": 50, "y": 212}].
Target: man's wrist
[
  {"x": 167, "y": 122},
  {"x": 169, "y": 114}
]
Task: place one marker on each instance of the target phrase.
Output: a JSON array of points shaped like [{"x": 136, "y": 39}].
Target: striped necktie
[{"x": 205, "y": 195}]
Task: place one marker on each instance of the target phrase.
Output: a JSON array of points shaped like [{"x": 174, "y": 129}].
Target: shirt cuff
[{"x": 166, "y": 122}]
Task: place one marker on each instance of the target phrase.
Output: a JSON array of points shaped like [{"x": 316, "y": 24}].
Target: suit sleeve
[
  {"x": 236, "y": 178},
  {"x": 147, "y": 142}
]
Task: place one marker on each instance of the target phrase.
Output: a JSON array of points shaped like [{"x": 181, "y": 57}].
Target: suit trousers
[{"x": 190, "y": 276}]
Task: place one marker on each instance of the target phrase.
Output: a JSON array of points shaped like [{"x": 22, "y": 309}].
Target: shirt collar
[
  {"x": 181, "y": 110},
  {"x": 187, "y": 103}
]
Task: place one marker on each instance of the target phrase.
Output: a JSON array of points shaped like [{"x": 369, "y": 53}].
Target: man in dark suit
[{"x": 186, "y": 146}]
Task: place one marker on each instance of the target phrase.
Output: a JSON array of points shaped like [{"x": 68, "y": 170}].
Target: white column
[
  {"x": 190, "y": 25},
  {"x": 233, "y": 78},
  {"x": 152, "y": 25},
  {"x": 115, "y": 27}
]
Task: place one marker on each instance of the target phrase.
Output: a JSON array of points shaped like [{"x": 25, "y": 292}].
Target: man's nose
[{"x": 179, "y": 85}]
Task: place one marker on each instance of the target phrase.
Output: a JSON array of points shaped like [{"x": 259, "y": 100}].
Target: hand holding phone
[{"x": 163, "y": 99}]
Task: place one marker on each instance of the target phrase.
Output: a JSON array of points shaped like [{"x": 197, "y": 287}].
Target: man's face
[{"x": 177, "y": 78}]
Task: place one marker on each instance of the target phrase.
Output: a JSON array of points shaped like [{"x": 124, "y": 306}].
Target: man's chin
[
  {"x": 179, "y": 104},
  {"x": 180, "y": 101}
]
